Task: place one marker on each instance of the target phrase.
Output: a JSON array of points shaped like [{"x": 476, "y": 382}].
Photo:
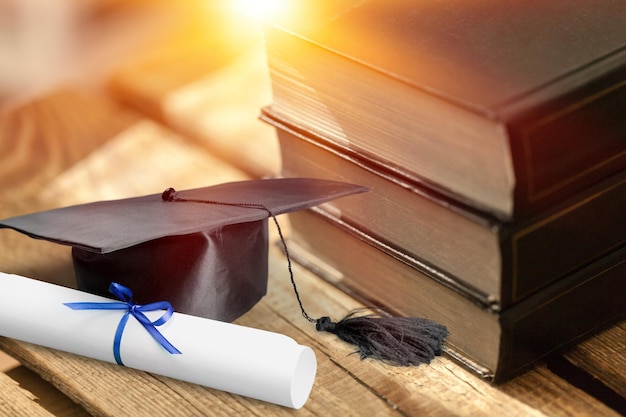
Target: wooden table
[{"x": 149, "y": 125}]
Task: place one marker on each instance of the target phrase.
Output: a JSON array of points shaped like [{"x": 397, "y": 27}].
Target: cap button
[{"x": 168, "y": 195}]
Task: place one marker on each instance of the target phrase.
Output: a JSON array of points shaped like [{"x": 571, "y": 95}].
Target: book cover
[
  {"x": 508, "y": 106},
  {"x": 500, "y": 263}
]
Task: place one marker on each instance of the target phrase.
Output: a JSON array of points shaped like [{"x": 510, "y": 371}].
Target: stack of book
[{"x": 492, "y": 136}]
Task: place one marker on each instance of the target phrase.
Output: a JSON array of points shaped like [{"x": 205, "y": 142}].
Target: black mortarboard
[{"x": 209, "y": 260}]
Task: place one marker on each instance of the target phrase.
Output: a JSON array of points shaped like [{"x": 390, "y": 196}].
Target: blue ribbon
[{"x": 136, "y": 310}]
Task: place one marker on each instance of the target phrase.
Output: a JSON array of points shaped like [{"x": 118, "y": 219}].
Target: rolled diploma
[{"x": 242, "y": 360}]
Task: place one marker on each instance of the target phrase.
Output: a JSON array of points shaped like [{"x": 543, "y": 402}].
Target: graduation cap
[{"x": 204, "y": 250}]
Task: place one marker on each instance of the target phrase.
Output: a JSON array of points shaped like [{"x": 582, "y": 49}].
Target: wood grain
[
  {"x": 17, "y": 402},
  {"x": 603, "y": 356},
  {"x": 542, "y": 390},
  {"x": 42, "y": 138}
]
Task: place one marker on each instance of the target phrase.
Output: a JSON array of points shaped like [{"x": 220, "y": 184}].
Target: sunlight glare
[{"x": 262, "y": 9}]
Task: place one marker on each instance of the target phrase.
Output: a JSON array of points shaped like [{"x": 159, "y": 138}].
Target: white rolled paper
[{"x": 242, "y": 360}]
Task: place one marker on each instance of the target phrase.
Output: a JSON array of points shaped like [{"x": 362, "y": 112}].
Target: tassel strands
[{"x": 398, "y": 341}]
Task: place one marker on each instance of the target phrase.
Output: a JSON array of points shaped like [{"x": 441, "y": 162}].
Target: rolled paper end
[{"x": 304, "y": 377}]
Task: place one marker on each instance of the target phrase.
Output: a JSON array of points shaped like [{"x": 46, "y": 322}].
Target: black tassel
[{"x": 399, "y": 341}]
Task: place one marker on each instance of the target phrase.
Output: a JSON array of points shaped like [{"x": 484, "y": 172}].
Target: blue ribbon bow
[{"x": 126, "y": 295}]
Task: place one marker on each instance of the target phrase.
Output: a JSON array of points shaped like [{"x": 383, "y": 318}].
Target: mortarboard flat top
[
  {"x": 206, "y": 259},
  {"x": 107, "y": 226}
]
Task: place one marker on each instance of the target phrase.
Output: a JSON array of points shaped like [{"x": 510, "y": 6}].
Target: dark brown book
[
  {"x": 495, "y": 345},
  {"x": 498, "y": 263},
  {"x": 507, "y": 106}
]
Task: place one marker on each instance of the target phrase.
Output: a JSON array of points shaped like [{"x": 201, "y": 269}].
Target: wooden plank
[
  {"x": 17, "y": 402},
  {"x": 109, "y": 390},
  {"x": 145, "y": 158},
  {"x": 220, "y": 110},
  {"x": 207, "y": 36},
  {"x": 42, "y": 138},
  {"x": 7, "y": 362},
  {"x": 47, "y": 395},
  {"x": 542, "y": 390},
  {"x": 603, "y": 356}
]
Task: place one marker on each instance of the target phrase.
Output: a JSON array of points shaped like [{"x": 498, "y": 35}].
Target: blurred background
[
  {"x": 197, "y": 66},
  {"x": 45, "y": 43}
]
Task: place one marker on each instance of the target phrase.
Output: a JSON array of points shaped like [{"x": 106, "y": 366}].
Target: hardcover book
[
  {"x": 506, "y": 106},
  {"x": 498, "y": 263},
  {"x": 495, "y": 345}
]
